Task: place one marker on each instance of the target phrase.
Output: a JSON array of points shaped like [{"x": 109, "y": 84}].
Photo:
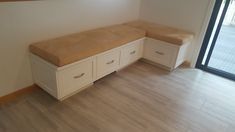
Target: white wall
[
  {"x": 191, "y": 15},
  {"x": 22, "y": 23}
]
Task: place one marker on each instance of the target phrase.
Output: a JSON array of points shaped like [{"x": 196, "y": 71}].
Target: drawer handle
[
  {"x": 160, "y": 53},
  {"x": 79, "y": 76},
  {"x": 108, "y": 63},
  {"x": 133, "y": 52}
]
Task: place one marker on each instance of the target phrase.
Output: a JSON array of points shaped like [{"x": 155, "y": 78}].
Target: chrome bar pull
[
  {"x": 160, "y": 53},
  {"x": 133, "y": 52},
  {"x": 110, "y": 62},
  {"x": 79, "y": 76}
]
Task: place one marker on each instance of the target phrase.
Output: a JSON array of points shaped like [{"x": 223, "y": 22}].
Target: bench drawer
[
  {"x": 74, "y": 78},
  {"x": 160, "y": 52},
  {"x": 131, "y": 53},
  {"x": 107, "y": 63}
]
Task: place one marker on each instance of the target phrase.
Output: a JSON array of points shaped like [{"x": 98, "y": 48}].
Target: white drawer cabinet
[
  {"x": 159, "y": 52},
  {"x": 62, "y": 82},
  {"x": 165, "y": 54},
  {"x": 131, "y": 53},
  {"x": 74, "y": 78},
  {"x": 107, "y": 62}
]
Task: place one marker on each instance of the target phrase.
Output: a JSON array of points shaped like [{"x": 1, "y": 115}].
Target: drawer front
[
  {"x": 74, "y": 78},
  {"x": 107, "y": 63},
  {"x": 160, "y": 52},
  {"x": 131, "y": 53}
]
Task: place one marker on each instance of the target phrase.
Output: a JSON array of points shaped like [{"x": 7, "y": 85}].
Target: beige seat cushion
[
  {"x": 164, "y": 33},
  {"x": 68, "y": 49}
]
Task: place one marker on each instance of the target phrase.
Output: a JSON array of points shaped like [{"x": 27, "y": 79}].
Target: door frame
[{"x": 206, "y": 40}]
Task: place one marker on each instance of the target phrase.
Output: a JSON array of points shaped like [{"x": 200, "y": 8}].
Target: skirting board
[{"x": 13, "y": 96}]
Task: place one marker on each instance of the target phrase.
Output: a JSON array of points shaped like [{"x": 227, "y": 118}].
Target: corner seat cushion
[
  {"x": 69, "y": 49},
  {"x": 163, "y": 33}
]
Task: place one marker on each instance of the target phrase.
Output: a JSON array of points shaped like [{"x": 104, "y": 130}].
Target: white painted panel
[
  {"x": 44, "y": 75},
  {"x": 182, "y": 55}
]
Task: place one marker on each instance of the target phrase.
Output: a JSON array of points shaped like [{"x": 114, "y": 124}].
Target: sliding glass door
[{"x": 218, "y": 51}]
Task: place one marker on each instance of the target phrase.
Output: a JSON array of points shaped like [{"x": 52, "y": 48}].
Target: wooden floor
[{"x": 140, "y": 98}]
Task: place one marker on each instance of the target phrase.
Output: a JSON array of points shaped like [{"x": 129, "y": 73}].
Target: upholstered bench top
[
  {"x": 163, "y": 33},
  {"x": 68, "y": 49}
]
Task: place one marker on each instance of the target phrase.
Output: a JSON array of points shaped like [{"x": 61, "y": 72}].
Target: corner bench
[{"x": 64, "y": 66}]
